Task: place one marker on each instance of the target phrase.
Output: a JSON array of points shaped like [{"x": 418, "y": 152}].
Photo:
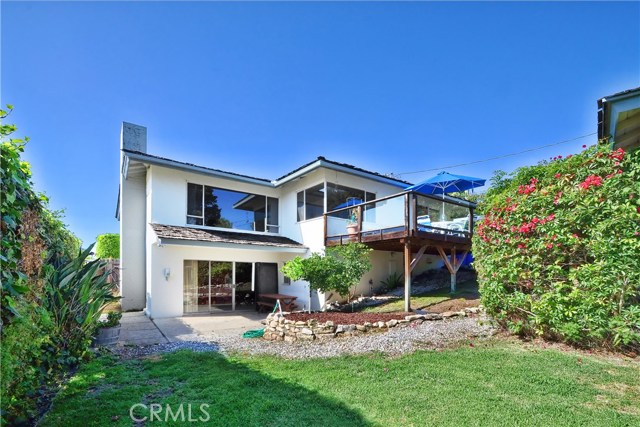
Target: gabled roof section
[
  {"x": 174, "y": 232},
  {"x": 163, "y": 161},
  {"x": 343, "y": 167},
  {"x": 619, "y": 95},
  {"x": 306, "y": 168}
]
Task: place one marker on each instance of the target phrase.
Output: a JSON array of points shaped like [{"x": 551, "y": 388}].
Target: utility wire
[{"x": 500, "y": 157}]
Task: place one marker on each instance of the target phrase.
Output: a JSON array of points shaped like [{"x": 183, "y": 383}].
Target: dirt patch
[
  {"x": 457, "y": 304},
  {"x": 347, "y": 318}
]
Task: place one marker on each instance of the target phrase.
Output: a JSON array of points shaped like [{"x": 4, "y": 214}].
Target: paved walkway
[{"x": 138, "y": 329}]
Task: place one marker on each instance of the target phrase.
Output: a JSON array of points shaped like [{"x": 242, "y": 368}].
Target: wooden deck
[{"x": 410, "y": 238}]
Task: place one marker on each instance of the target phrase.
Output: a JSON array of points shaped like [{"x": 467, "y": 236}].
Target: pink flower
[
  {"x": 591, "y": 181},
  {"x": 549, "y": 245}
]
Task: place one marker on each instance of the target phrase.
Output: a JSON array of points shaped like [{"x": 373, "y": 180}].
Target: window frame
[
  {"x": 326, "y": 185},
  {"x": 267, "y": 226}
]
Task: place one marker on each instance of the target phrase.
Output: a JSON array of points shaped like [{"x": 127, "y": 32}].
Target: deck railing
[{"x": 406, "y": 214}]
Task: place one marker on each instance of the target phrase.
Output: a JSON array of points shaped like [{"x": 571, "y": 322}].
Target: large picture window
[
  {"x": 312, "y": 200},
  {"x": 217, "y": 207}
]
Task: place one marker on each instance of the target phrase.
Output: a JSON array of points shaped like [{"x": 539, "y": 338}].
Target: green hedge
[
  {"x": 108, "y": 246},
  {"x": 558, "y": 251},
  {"x": 51, "y": 298}
]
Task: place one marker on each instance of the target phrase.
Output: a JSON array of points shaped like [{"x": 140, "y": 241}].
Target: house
[
  {"x": 619, "y": 119},
  {"x": 201, "y": 240}
]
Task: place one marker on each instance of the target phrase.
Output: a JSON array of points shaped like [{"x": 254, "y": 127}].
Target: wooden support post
[
  {"x": 406, "y": 214},
  {"x": 325, "y": 229},
  {"x": 454, "y": 263},
  {"x": 471, "y": 215},
  {"x": 407, "y": 275},
  {"x": 359, "y": 223},
  {"x": 414, "y": 208},
  {"x": 416, "y": 260}
]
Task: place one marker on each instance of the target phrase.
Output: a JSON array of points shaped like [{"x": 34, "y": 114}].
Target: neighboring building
[
  {"x": 196, "y": 239},
  {"x": 619, "y": 119}
]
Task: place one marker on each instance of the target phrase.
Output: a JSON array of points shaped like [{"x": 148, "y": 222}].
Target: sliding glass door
[{"x": 211, "y": 286}]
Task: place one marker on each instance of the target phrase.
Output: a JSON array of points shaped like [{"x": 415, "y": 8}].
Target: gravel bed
[
  {"x": 428, "y": 335},
  {"x": 395, "y": 341}
]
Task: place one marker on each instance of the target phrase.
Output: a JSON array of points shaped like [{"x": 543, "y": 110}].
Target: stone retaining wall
[{"x": 279, "y": 328}]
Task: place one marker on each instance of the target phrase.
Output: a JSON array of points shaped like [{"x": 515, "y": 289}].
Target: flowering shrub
[{"x": 558, "y": 251}]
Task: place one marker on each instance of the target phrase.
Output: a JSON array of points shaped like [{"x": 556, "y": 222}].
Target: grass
[
  {"x": 467, "y": 290},
  {"x": 494, "y": 383}
]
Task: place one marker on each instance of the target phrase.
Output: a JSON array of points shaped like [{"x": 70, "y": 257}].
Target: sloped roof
[
  {"x": 192, "y": 165},
  {"x": 322, "y": 161},
  {"x": 218, "y": 236},
  {"x": 344, "y": 165}
]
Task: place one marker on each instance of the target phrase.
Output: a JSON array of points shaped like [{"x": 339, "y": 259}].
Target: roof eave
[
  {"x": 330, "y": 165},
  {"x": 193, "y": 168},
  {"x": 161, "y": 241}
]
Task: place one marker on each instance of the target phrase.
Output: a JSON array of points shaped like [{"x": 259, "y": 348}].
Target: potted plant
[
  {"x": 352, "y": 224},
  {"x": 109, "y": 330}
]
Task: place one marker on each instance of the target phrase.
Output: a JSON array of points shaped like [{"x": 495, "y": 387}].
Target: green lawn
[
  {"x": 491, "y": 384},
  {"x": 464, "y": 290}
]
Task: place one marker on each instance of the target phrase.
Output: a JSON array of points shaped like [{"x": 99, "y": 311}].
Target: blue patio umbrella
[
  {"x": 352, "y": 201},
  {"x": 446, "y": 182}
]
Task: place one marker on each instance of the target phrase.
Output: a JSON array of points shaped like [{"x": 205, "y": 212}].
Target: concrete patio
[{"x": 138, "y": 329}]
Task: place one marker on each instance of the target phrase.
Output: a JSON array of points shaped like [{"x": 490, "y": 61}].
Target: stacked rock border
[{"x": 279, "y": 328}]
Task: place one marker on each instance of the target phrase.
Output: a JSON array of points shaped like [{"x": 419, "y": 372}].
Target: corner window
[
  {"x": 311, "y": 203},
  {"x": 218, "y": 207},
  {"x": 339, "y": 196}
]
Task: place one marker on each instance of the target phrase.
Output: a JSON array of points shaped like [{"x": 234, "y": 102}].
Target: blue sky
[{"x": 261, "y": 88}]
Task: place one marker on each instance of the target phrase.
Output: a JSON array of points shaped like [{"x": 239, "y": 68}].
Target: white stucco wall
[
  {"x": 132, "y": 242},
  {"x": 169, "y": 187},
  {"x": 166, "y": 296}
]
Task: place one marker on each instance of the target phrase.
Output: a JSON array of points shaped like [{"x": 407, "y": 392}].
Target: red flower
[
  {"x": 591, "y": 181},
  {"x": 584, "y": 146},
  {"x": 521, "y": 246},
  {"x": 549, "y": 245},
  {"x": 556, "y": 176}
]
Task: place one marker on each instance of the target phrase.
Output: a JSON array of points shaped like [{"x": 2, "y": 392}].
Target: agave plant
[
  {"x": 75, "y": 295},
  {"x": 393, "y": 281}
]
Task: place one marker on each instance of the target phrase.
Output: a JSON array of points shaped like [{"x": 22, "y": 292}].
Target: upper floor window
[
  {"x": 311, "y": 201},
  {"x": 217, "y": 207}
]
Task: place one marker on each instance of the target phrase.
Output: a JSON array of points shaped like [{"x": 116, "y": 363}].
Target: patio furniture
[{"x": 268, "y": 301}]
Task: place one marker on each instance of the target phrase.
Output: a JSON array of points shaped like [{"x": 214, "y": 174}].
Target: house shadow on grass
[{"x": 102, "y": 394}]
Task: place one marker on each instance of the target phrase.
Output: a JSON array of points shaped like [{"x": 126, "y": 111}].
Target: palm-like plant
[{"x": 75, "y": 295}]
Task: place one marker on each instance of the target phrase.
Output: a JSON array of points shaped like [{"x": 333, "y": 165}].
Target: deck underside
[{"x": 394, "y": 239}]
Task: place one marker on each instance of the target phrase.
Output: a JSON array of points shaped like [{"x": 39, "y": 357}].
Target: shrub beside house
[
  {"x": 51, "y": 298},
  {"x": 558, "y": 252}
]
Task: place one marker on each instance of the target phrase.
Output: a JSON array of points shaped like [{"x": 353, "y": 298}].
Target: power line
[{"x": 500, "y": 157}]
